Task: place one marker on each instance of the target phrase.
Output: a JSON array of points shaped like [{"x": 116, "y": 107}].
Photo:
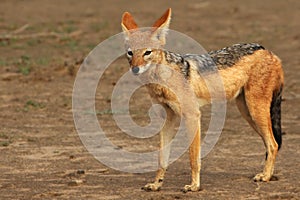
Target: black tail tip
[{"x": 275, "y": 111}]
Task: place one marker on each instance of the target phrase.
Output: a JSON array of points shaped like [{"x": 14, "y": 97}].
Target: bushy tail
[{"x": 276, "y": 116}]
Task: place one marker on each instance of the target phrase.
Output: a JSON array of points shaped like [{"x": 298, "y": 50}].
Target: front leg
[
  {"x": 156, "y": 185},
  {"x": 194, "y": 132},
  {"x": 166, "y": 136}
]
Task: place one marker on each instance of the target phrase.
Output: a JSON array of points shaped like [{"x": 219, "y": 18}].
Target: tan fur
[{"x": 251, "y": 81}]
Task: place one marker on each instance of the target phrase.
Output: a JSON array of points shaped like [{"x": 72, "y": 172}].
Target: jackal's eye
[
  {"x": 129, "y": 53},
  {"x": 148, "y": 52}
]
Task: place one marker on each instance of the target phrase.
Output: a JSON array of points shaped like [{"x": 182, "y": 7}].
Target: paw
[
  {"x": 193, "y": 188},
  {"x": 262, "y": 177},
  {"x": 152, "y": 187}
]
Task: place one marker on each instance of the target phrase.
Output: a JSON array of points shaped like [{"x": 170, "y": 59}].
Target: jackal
[{"x": 250, "y": 74}]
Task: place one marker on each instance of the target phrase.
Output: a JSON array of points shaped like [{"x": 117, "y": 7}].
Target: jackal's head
[{"x": 144, "y": 46}]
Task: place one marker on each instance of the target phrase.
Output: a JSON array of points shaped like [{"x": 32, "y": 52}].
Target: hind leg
[
  {"x": 242, "y": 106},
  {"x": 259, "y": 112},
  {"x": 272, "y": 149}
]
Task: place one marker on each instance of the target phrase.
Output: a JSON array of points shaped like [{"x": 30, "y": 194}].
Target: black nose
[{"x": 135, "y": 70}]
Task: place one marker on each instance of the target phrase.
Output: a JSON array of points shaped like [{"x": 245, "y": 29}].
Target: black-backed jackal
[{"x": 250, "y": 74}]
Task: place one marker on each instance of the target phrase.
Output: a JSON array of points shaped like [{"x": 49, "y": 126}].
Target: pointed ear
[
  {"x": 161, "y": 26},
  {"x": 128, "y": 23}
]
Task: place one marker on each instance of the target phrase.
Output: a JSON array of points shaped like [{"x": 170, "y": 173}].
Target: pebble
[{"x": 75, "y": 182}]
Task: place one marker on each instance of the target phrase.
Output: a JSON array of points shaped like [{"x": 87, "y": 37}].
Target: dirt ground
[{"x": 42, "y": 46}]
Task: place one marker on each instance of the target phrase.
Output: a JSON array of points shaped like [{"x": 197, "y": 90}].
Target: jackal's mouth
[{"x": 140, "y": 69}]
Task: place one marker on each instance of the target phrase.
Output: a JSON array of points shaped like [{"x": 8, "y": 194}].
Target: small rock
[
  {"x": 75, "y": 182},
  {"x": 80, "y": 171}
]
